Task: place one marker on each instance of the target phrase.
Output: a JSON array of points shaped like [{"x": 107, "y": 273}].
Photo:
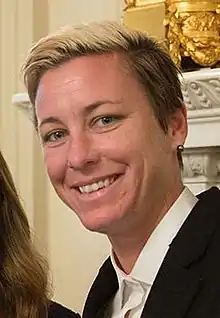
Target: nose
[{"x": 82, "y": 153}]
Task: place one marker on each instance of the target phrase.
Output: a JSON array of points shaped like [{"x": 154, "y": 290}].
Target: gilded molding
[{"x": 193, "y": 30}]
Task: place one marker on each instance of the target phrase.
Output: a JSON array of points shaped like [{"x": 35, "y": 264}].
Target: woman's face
[{"x": 106, "y": 155}]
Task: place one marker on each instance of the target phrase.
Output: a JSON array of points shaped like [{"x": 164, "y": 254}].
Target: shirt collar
[{"x": 154, "y": 251}]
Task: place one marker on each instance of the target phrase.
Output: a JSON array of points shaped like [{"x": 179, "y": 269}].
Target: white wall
[{"x": 75, "y": 11}]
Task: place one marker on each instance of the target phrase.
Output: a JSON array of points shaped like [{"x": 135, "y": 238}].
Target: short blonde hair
[{"x": 148, "y": 60}]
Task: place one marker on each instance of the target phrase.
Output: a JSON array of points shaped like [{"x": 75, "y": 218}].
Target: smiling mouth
[{"x": 96, "y": 186}]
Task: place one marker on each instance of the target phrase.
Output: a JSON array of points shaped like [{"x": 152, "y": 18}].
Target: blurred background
[{"x": 75, "y": 254}]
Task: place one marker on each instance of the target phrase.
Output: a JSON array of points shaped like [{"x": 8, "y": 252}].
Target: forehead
[
  {"x": 73, "y": 86},
  {"x": 97, "y": 74}
]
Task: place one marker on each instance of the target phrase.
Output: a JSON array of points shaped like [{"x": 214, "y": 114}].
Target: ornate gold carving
[
  {"x": 193, "y": 30},
  {"x": 129, "y": 4}
]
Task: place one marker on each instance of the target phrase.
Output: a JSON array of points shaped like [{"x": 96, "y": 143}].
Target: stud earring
[{"x": 180, "y": 148}]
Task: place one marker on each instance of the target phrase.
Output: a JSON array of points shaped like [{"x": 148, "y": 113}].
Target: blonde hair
[
  {"x": 148, "y": 60},
  {"x": 23, "y": 272}
]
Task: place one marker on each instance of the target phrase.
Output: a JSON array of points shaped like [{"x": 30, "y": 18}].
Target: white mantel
[{"x": 201, "y": 92}]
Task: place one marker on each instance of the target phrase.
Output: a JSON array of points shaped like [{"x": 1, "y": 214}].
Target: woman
[{"x": 23, "y": 272}]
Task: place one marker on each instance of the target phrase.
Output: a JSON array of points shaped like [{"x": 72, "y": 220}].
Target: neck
[
  {"x": 126, "y": 250},
  {"x": 127, "y": 245}
]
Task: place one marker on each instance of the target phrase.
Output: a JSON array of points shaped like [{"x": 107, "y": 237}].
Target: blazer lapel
[
  {"x": 102, "y": 291},
  {"x": 172, "y": 292},
  {"x": 177, "y": 284}
]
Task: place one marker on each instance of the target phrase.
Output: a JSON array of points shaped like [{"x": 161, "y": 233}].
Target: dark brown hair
[{"x": 23, "y": 272}]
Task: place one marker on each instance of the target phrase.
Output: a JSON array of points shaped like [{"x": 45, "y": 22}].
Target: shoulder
[
  {"x": 58, "y": 311},
  {"x": 102, "y": 290},
  {"x": 210, "y": 195}
]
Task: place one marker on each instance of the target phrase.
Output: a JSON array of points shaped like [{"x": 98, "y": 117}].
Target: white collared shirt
[{"x": 135, "y": 287}]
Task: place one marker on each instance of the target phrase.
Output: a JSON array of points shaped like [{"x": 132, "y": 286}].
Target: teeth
[
  {"x": 97, "y": 185},
  {"x": 106, "y": 183}
]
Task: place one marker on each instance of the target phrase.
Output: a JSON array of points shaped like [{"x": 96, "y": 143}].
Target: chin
[{"x": 100, "y": 225}]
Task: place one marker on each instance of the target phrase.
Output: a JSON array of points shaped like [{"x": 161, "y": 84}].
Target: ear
[{"x": 178, "y": 126}]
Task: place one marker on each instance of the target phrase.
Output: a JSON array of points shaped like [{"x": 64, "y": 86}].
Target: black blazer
[
  {"x": 188, "y": 282},
  {"x": 58, "y": 311}
]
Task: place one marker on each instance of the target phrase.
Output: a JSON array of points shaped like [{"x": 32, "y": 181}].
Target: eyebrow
[
  {"x": 50, "y": 120},
  {"x": 88, "y": 109}
]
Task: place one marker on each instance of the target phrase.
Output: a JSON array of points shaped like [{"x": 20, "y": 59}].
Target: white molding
[
  {"x": 201, "y": 165},
  {"x": 21, "y": 100},
  {"x": 201, "y": 89},
  {"x": 201, "y": 93}
]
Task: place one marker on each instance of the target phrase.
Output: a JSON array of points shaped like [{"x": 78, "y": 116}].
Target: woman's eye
[
  {"x": 54, "y": 136},
  {"x": 106, "y": 120}
]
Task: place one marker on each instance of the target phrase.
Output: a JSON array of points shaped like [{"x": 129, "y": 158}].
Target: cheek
[
  {"x": 121, "y": 142},
  {"x": 55, "y": 162}
]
